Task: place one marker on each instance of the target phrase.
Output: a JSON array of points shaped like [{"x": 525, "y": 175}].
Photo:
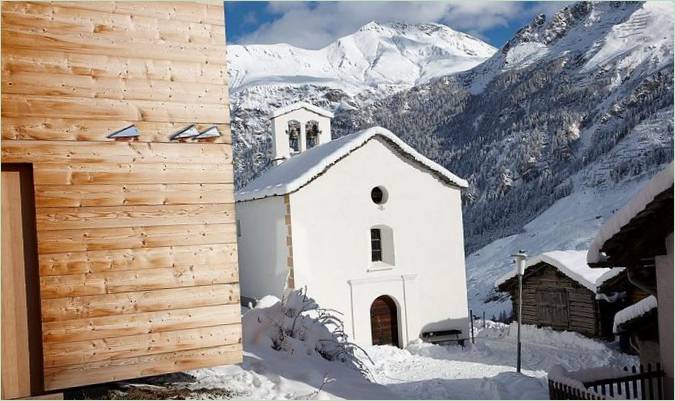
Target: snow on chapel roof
[
  {"x": 299, "y": 170},
  {"x": 572, "y": 264},
  {"x": 301, "y": 105},
  {"x": 658, "y": 184}
]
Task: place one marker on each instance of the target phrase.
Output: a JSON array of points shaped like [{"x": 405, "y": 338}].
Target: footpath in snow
[{"x": 486, "y": 370}]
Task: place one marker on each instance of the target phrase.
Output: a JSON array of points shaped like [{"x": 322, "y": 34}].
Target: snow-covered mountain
[
  {"x": 553, "y": 132},
  {"x": 377, "y": 61},
  {"x": 392, "y": 54}
]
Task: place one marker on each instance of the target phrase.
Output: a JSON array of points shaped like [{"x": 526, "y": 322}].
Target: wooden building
[
  {"x": 560, "y": 291},
  {"x": 119, "y": 256},
  {"x": 640, "y": 237}
]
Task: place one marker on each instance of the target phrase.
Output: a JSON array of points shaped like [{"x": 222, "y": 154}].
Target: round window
[{"x": 378, "y": 195}]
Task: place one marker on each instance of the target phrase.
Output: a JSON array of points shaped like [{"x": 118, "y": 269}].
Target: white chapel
[{"x": 369, "y": 226}]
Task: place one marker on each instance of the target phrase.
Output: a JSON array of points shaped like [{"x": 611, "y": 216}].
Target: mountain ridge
[{"x": 395, "y": 54}]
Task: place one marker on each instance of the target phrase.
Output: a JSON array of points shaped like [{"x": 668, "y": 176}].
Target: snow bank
[
  {"x": 659, "y": 183},
  {"x": 634, "y": 311},
  {"x": 293, "y": 350},
  {"x": 572, "y": 264},
  {"x": 299, "y": 170}
]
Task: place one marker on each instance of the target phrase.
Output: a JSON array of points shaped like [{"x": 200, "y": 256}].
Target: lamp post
[{"x": 519, "y": 260}]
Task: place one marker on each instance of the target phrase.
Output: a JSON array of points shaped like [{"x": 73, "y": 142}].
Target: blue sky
[{"x": 315, "y": 24}]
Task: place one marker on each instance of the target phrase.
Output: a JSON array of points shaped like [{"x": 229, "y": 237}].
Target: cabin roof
[
  {"x": 627, "y": 317},
  {"x": 571, "y": 263},
  {"x": 298, "y": 171},
  {"x": 301, "y": 105},
  {"x": 639, "y": 215}
]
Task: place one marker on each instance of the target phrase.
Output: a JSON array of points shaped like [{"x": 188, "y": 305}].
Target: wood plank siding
[
  {"x": 136, "y": 242},
  {"x": 550, "y": 298}
]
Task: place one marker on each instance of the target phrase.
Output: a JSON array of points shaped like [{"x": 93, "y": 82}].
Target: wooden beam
[
  {"x": 16, "y": 106},
  {"x": 140, "y": 323},
  {"x": 149, "y": 365},
  {"x": 82, "y": 352},
  {"x": 119, "y": 173},
  {"x": 62, "y": 309},
  {"x": 60, "y": 129},
  {"x": 99, "y": 239},
  {"x": 70, "y": 218},
  {"x": 74, "y": 285},
  {"x": 33, "y": 16},
  {"x": 48, "y": 196},
  {"x": 177, "y": 11},
  {"x": 95, "y": 67},
  {"x": 81, "y": 86},
  {"x": 67, "y": 152},
  {"x": 118, "y": 260}
]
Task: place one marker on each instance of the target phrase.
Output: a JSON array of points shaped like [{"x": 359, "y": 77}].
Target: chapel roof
[
  {"x": 298, "y": 171},
  {"x": 301, "y": 105}
]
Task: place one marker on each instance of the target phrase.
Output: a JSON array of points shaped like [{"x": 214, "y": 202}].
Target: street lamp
[{"x": 519, "y": 260}]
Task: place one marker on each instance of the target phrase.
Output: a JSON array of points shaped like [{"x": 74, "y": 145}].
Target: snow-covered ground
[
  {"x": 485, "y": 370},
  {"x": 288, "y": 366}
]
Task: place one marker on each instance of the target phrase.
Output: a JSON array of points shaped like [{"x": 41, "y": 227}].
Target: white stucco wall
[
  {"x": 280, "y": 146},
  {"x": 664, "y": 283},
  {"x": 262, "y": 249},
  {"x": 331, "y": 221}
]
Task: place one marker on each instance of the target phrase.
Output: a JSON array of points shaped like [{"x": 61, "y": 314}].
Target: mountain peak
[{"x": 371, "y": 26}]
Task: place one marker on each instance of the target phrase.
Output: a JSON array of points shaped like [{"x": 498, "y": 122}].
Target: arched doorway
[{"x": 384, "y": 321}]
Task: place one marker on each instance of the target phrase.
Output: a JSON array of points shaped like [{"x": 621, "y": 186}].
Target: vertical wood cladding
[
  {"x": 579, "y": 306},
  {"x": 136, "y": 239}
]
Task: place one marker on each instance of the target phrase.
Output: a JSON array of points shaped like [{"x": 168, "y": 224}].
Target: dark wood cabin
[
  {"x": 553, "y": 299},
  {"x": 624, "y": 293},
  {"x": 643, "y": 244}
]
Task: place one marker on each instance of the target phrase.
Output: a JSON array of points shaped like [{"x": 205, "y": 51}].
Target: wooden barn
[
  {"x": 640, "y": 237},
  {"x": 119, "y": 254},
  {"x": 560, "y": 291}
]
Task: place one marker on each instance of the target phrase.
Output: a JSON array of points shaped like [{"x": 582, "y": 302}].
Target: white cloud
[{"x": 314, "y": 25}]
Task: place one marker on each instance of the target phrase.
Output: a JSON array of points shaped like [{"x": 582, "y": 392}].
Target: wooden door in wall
[
  {"x": 552, "y": 307},
  {"x": 21, "y": 342},
  {"x": 384, "y": 321}
]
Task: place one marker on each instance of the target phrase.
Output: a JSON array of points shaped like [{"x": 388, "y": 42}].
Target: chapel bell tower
[{"x": 297, "y": 128}]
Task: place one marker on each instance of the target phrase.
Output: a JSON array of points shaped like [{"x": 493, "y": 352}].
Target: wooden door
[
  {"x": 21, "y": 342},
  {"x": 552, "y": 307},
  {"x": 384, "y": 321}
]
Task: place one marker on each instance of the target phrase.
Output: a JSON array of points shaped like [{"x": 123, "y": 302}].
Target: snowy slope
[
  {"x": 629, "y": 34},
  {"x": 393, "y": 54}
]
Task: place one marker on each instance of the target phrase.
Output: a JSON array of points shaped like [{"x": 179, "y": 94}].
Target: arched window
[
  {"x": 311, "y": 133},
  {"x": 382, "y": 245},
  {"x": 293, "y": 136}
]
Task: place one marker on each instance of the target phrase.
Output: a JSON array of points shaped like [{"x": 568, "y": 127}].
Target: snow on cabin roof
[
  {"x": 299, "y": 170},
  {"x": 659, "y": 183},
  {"x": 301, "y": 105},
  {"x": 572, "y": 264},
  {"x": 633, "y": 312}
]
